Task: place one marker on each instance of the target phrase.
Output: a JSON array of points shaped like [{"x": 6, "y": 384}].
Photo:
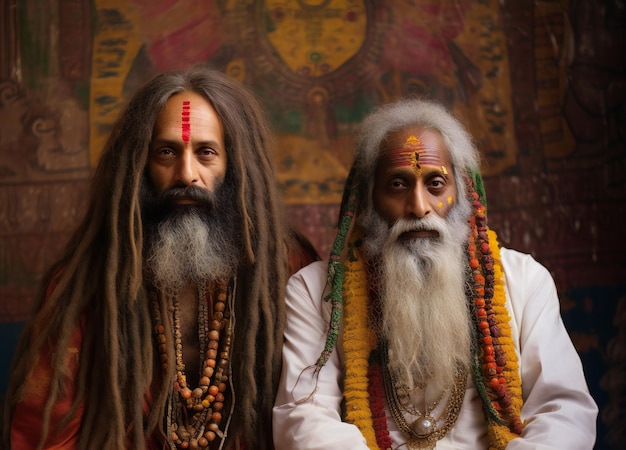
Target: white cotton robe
[{"x": 558, "y": 411}]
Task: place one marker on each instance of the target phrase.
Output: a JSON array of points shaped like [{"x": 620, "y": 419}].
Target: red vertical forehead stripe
[{"x": 186, "y": 126}]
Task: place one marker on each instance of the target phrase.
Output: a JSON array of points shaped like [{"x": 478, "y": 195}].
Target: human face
[
  {"x": 187, "y": 147},
  {"x": 414, "y": 178}
]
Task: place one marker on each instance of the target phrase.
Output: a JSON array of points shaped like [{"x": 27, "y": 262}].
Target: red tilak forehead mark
[
  {"x": 414, "y": 153},
  {"x": 186, "y": 126}
]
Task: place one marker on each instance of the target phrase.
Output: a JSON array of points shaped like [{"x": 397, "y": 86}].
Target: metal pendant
[{"x": 424, "y": 426}]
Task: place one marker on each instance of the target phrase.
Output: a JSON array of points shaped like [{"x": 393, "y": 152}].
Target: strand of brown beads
[
  {"x": 197, "y": 413},
  {"x": 159, "y": 330},
  {"x": 216, "y": 367}
]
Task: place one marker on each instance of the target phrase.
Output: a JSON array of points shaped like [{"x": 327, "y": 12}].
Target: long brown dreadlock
[{"x": 100, "y": 279}]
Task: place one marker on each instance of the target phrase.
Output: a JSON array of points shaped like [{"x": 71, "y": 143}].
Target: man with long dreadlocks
[
  {"x": 422, "y": 332},
  {"x": 161, "y": 325}
]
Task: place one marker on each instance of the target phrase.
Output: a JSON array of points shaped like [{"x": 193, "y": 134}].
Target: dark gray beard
[
  {"x": 190, "y": 244},
  {"x": 187, "y": 250}
]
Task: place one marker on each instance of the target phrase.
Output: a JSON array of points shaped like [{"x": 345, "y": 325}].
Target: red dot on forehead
[{"x": 186, "y": 126}]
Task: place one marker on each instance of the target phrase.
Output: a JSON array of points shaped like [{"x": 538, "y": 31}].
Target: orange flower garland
[
  {"x": 501, "y": 434},
  {"x": 500, "y": 379},
  {"x": 497, "y": 377}
]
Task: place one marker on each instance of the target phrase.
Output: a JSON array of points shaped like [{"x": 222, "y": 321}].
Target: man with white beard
[{"x": 422, "y": 332}]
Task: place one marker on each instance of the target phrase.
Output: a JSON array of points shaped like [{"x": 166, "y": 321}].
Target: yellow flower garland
[
  {"x": 359, "y": 341},
  {"x": 500, "y": 434}
]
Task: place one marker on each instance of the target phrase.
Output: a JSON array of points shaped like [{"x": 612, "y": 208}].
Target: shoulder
[
  {"x": 527, "y": 282},
  {"x": 518, "y": 264},
  {"x": 308, "y": 283},
  {"x": 311, "y": 274}
]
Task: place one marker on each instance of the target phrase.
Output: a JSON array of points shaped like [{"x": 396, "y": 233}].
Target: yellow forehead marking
[
  {"x": 408, "y": 155},
  {"x": 413, "y": 153},
  {"x": 412, "y": 141}
]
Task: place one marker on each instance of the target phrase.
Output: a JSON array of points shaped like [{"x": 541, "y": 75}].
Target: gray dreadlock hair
[
  {"x": 100, "y": 279},
  {"x": 359, "y": 187}
]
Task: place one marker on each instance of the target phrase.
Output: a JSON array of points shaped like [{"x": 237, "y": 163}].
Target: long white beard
[
  {"x": 185, "y": 249},
  {"x": 423, "y": 307}
]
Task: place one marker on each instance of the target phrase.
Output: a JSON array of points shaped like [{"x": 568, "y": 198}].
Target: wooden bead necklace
[{"x": 193, "y": 416}]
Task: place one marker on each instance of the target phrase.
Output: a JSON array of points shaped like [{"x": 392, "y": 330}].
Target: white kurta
[{"x": 558, "y": 411}]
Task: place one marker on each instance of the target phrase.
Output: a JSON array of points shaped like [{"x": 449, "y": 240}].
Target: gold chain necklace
[{"x": 423, "y": 432}]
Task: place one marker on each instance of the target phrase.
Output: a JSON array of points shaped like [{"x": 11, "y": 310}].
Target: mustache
[
  {"x": 195, "y": 193},
  {"x": 430, "y": 222},
  {"x": 157, "y": 207}
]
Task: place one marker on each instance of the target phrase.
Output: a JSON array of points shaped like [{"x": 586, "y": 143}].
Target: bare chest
[{"x": 188, "y": 301}]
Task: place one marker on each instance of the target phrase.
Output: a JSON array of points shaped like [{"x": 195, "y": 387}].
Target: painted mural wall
[{"x": 540, "y": 84}]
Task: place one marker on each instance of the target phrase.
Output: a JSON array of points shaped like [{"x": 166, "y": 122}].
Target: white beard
[
  {"x": 423, "y": 308},
  {"x": 185, "y": 250}
]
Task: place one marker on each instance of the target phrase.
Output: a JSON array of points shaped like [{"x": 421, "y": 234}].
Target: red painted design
[
  {"x": 186, "y": 126},
  {"x": 414, "y": 153}
]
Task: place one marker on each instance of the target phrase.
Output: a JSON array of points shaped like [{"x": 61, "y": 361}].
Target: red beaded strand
[
  {"x": 376, "y": 391},
  {"x": 494, "y": 360}
]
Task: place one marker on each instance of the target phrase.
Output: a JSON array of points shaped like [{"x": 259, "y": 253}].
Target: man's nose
[
  {"x": 418, "y": 205},
  {"x": 187, "y": 169}
]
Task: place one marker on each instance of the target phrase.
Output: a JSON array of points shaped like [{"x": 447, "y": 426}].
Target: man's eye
[
  {"x": 397, "y": 184},
  {"x": 163, "y": 152},
  {"x": 207, "y": 152},
  {"x": 437, "y": 186}
]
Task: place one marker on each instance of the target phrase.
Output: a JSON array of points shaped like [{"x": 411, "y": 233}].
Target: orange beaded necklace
[{"x": 193, "y": 416}]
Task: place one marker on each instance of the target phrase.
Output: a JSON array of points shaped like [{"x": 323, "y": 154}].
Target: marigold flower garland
[
  {"x": 496, "y": 373},
  {"x": 495, "y": 361},
  {"x": 501, "y": 433},
  {"x": 359, "y": 341},
  {"x": 497, "y": 379}
]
